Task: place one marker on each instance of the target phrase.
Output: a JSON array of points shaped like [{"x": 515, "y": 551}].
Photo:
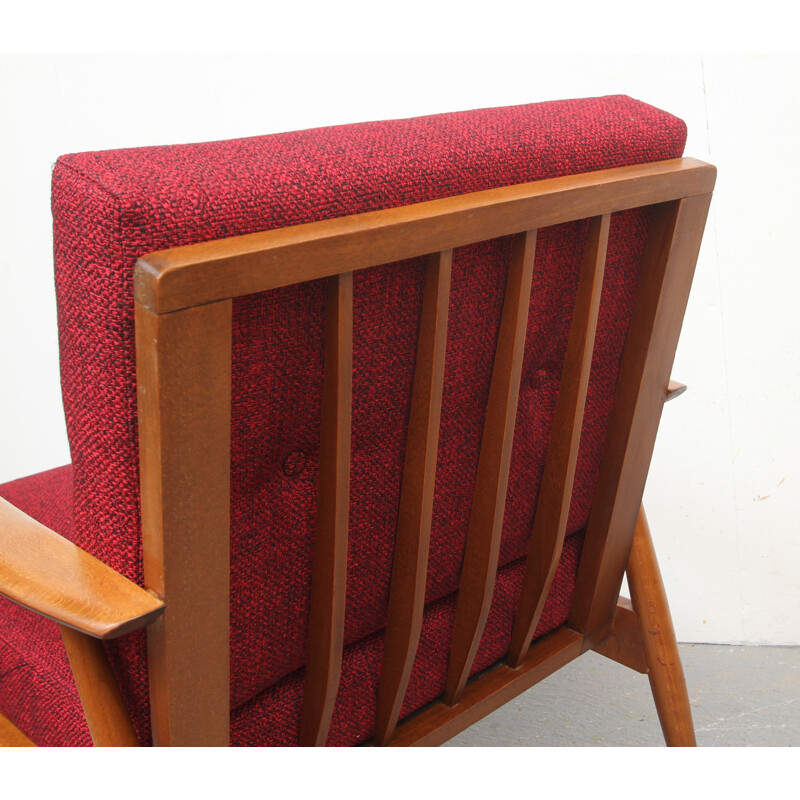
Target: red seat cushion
[{"x": 111, "y": 207}]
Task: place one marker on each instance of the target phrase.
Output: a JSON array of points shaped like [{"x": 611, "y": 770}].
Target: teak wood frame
[{"x": 183, "y": 339}]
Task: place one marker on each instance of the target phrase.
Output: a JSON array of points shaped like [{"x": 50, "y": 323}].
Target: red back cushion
[{"x": 111, "y": 207}]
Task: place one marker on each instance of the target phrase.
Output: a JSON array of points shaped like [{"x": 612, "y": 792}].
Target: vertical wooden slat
[
  {"x": 184, "y": 376},
  {"x": 488, "y": 503},
  {"x": 409, "y": 568},
  {"x": 555, "y": 493},
  {"x": 329, "y": 572},
  {"x": 669, "y": 261},
  {"x": 106, "y": 715}
]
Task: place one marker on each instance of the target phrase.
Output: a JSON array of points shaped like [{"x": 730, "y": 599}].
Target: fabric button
[
  {"x": 538, "y": 378},
  {"x": 293, "y": 463}
]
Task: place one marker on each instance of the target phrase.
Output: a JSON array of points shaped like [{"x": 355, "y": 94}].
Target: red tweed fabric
[{"x": 111, "y": 207}]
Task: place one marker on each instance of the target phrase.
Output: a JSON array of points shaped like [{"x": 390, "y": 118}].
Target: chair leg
[{"x": 661, "y": 648}]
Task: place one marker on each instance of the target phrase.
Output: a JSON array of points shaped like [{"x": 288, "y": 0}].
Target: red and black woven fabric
[{"x": 111, "y": 207}]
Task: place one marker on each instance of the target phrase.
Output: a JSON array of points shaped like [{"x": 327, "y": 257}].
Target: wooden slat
[
  {"x": 106, "y": 715},
  {"x": 47, "y": 573},
  {"x": 624, "y": 643},
  {"x": 210, "y": 271},
  {"x": 658, "y": 638},
  {"x": 555, "y": 493},
  {"x": 12, "y": 736},
  {"x": 488, "y": 692},
  {"x": 669, "y": 261},
  {"x": 184, "y": 395},
  {"x": 409, "y": 568},
  {"x": 482, "y": 549},
  {"x": 329, "y": 573}
]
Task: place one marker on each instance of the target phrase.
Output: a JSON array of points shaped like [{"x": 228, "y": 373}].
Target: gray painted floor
[{"x": 740, "y": 696}]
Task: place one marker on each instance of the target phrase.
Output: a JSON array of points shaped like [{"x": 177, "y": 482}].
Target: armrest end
[{"x": 43, "y": 571}]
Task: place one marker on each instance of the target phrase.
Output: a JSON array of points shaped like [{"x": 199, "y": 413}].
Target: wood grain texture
[
  {"x": 555, "y": 492},
  {"x": 410, "y": 564},
  {"x": 658, "y": 637},
  {"x": 203, "y": 273},
  {"x": 12, "y": 736},
  {"x": 43, "y": 571},
  {"x": 666, "y": 275},
  {"x": 329, "y": 571},
  {"x": 184, "y": 396},
  {"x": 479, "y": 567},
  {"x": 106, "y": 715},
  {"x": 624, "y": 642},
  {"x": 488, "y": 692}
]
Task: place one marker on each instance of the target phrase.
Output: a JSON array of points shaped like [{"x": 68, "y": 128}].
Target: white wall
[{"x": 722, "y": 491}]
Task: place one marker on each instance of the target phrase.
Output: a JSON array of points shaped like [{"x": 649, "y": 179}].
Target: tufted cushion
[{"x": 111, "y": 207}]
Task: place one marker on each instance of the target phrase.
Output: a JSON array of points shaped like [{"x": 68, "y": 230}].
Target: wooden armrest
[
  {"x": 47, "y": 573},
  {"x": 674, "y": 389}
]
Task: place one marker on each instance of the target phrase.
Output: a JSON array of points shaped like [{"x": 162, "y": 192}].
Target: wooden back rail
[{"x": 183, "y": 319}]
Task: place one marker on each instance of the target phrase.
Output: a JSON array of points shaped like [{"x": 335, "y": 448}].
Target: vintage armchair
[{"x": 360, "y": 420}]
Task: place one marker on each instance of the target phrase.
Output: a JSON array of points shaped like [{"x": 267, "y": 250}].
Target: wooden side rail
[
  {"x": 50, "y": 575},
  {"x": 665, "y": 278},
  {"x": 183, "y": 372}
]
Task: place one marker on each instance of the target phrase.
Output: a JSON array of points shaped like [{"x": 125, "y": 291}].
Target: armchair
[{"x": 360, "y": 422}]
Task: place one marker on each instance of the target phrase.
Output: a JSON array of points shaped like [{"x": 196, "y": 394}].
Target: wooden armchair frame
[{"x": 183, "y": 339}]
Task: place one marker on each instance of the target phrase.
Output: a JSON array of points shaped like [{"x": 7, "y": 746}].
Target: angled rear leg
[{"x": 658, "y": 637}]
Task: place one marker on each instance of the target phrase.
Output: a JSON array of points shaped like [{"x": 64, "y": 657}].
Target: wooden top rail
[
  {"x": 182, "y": 277},
  {"x": 50, "y": 575}
]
